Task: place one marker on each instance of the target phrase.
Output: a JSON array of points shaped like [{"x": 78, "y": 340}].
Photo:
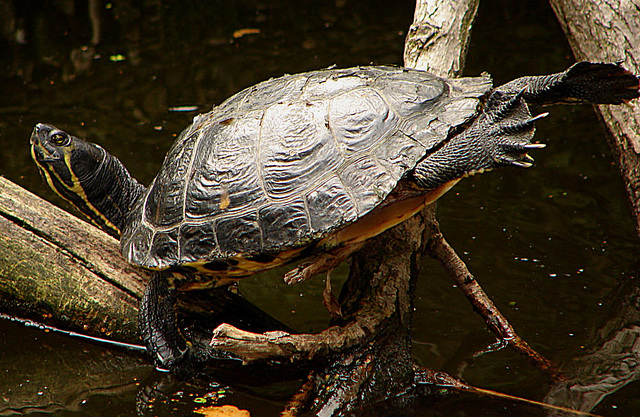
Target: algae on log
[
  {"x": 59, "y": 270},
  {"x": 609, "y": 31}
]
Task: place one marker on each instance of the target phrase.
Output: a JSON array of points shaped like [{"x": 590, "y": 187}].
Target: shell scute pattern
[
  {"x": 197, "y": 241},
  {"x": 270, "y": 92},
  {"x": 329, "y": 204},
  {"x": 359, "y": 129},
  {"x": 290, "y": 160},
  {"x": 227, "y": 176},
  {"x": 294, "y": 149},
  {"x": 241, "y": 233},
  {"x": 284, "y": 223},
  {"x": 164, "y": 205}
]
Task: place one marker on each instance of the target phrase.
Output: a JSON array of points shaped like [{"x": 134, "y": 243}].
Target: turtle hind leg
[
  {"x": 158, "y": 323},
  {"x": 584, "y": 82}
]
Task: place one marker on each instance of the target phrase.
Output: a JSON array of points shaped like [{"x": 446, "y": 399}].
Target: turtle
[{"x": 304, "y": 167}]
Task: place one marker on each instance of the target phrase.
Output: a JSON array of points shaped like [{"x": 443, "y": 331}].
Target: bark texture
[
  {"x": 439, "y": 36},
  {"x": 60, "y": 270},
  {"x": 609, "y": 31}
]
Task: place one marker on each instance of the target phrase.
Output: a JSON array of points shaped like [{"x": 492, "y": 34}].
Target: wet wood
[
  {"x": 609, "y": 31},
  {"x": 59, "y": 270}
]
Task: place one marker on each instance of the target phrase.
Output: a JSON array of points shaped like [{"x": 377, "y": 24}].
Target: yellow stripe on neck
[{"x": 76, "y": 189}]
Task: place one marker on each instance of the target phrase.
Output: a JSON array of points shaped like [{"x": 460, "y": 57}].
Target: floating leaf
[
  {"x": 222, "y": 411},
  {"x": 247, "y": 31}
]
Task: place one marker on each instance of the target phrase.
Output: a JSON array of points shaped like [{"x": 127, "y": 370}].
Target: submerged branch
[{"x": 440, "y": 250}]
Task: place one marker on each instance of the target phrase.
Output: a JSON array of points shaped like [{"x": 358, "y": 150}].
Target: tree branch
[{"x": 609, "y": 31}]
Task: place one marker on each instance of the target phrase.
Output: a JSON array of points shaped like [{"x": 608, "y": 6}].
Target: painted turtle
[{"x": 304, "y": 166}]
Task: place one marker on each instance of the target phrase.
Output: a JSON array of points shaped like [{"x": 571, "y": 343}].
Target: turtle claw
[
  {"x": 530, "y": 146},
  {"x": 538, "y": 117},
  {"x": 522, "y": 164},
  {"x": 522, "y": 160}
]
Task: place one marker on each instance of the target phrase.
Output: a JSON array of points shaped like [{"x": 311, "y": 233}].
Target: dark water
[{"x": 554, "y": 246}]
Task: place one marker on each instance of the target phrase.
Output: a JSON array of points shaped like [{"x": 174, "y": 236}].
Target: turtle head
[
  {"x": 86, "y": 175},
  {"x": 65, "y": 162}
]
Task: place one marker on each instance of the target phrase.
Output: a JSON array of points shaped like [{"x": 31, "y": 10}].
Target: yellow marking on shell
[
  {"x": 240, "y": 266},
  {"x": 224, "y": 199},
  {"x": 214, "y": 282}
]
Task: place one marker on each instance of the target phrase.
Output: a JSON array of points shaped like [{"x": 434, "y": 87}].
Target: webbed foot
[
  {"x": 583, "y": 82},
  {"x": 600, "y": 83}
]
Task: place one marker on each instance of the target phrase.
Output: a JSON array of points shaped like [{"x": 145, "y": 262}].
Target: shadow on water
[{"x": 554, "y": 246}]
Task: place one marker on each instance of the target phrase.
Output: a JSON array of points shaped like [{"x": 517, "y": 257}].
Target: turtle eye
[{"x": 59, "y": 139}]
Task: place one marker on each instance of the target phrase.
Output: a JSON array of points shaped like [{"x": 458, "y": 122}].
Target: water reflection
[
  {"x": 612, "y": 358},
  {"x": 55, "y": 374}
]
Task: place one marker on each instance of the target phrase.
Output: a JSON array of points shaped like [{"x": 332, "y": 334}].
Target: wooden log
[
  {"x": 60, "y": 270},
  {"x": 609, "y": 31}
]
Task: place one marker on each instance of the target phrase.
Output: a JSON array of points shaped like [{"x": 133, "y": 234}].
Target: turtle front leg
[
  {"x": 584, "y": 82},
  {"x": 157, "y": 322}
]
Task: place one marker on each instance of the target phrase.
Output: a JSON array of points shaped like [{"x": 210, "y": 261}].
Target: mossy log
[{"x": 59, "y": 270}]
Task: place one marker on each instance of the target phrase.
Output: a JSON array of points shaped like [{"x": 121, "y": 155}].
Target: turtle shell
[{"x": 287, "y": 162}]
